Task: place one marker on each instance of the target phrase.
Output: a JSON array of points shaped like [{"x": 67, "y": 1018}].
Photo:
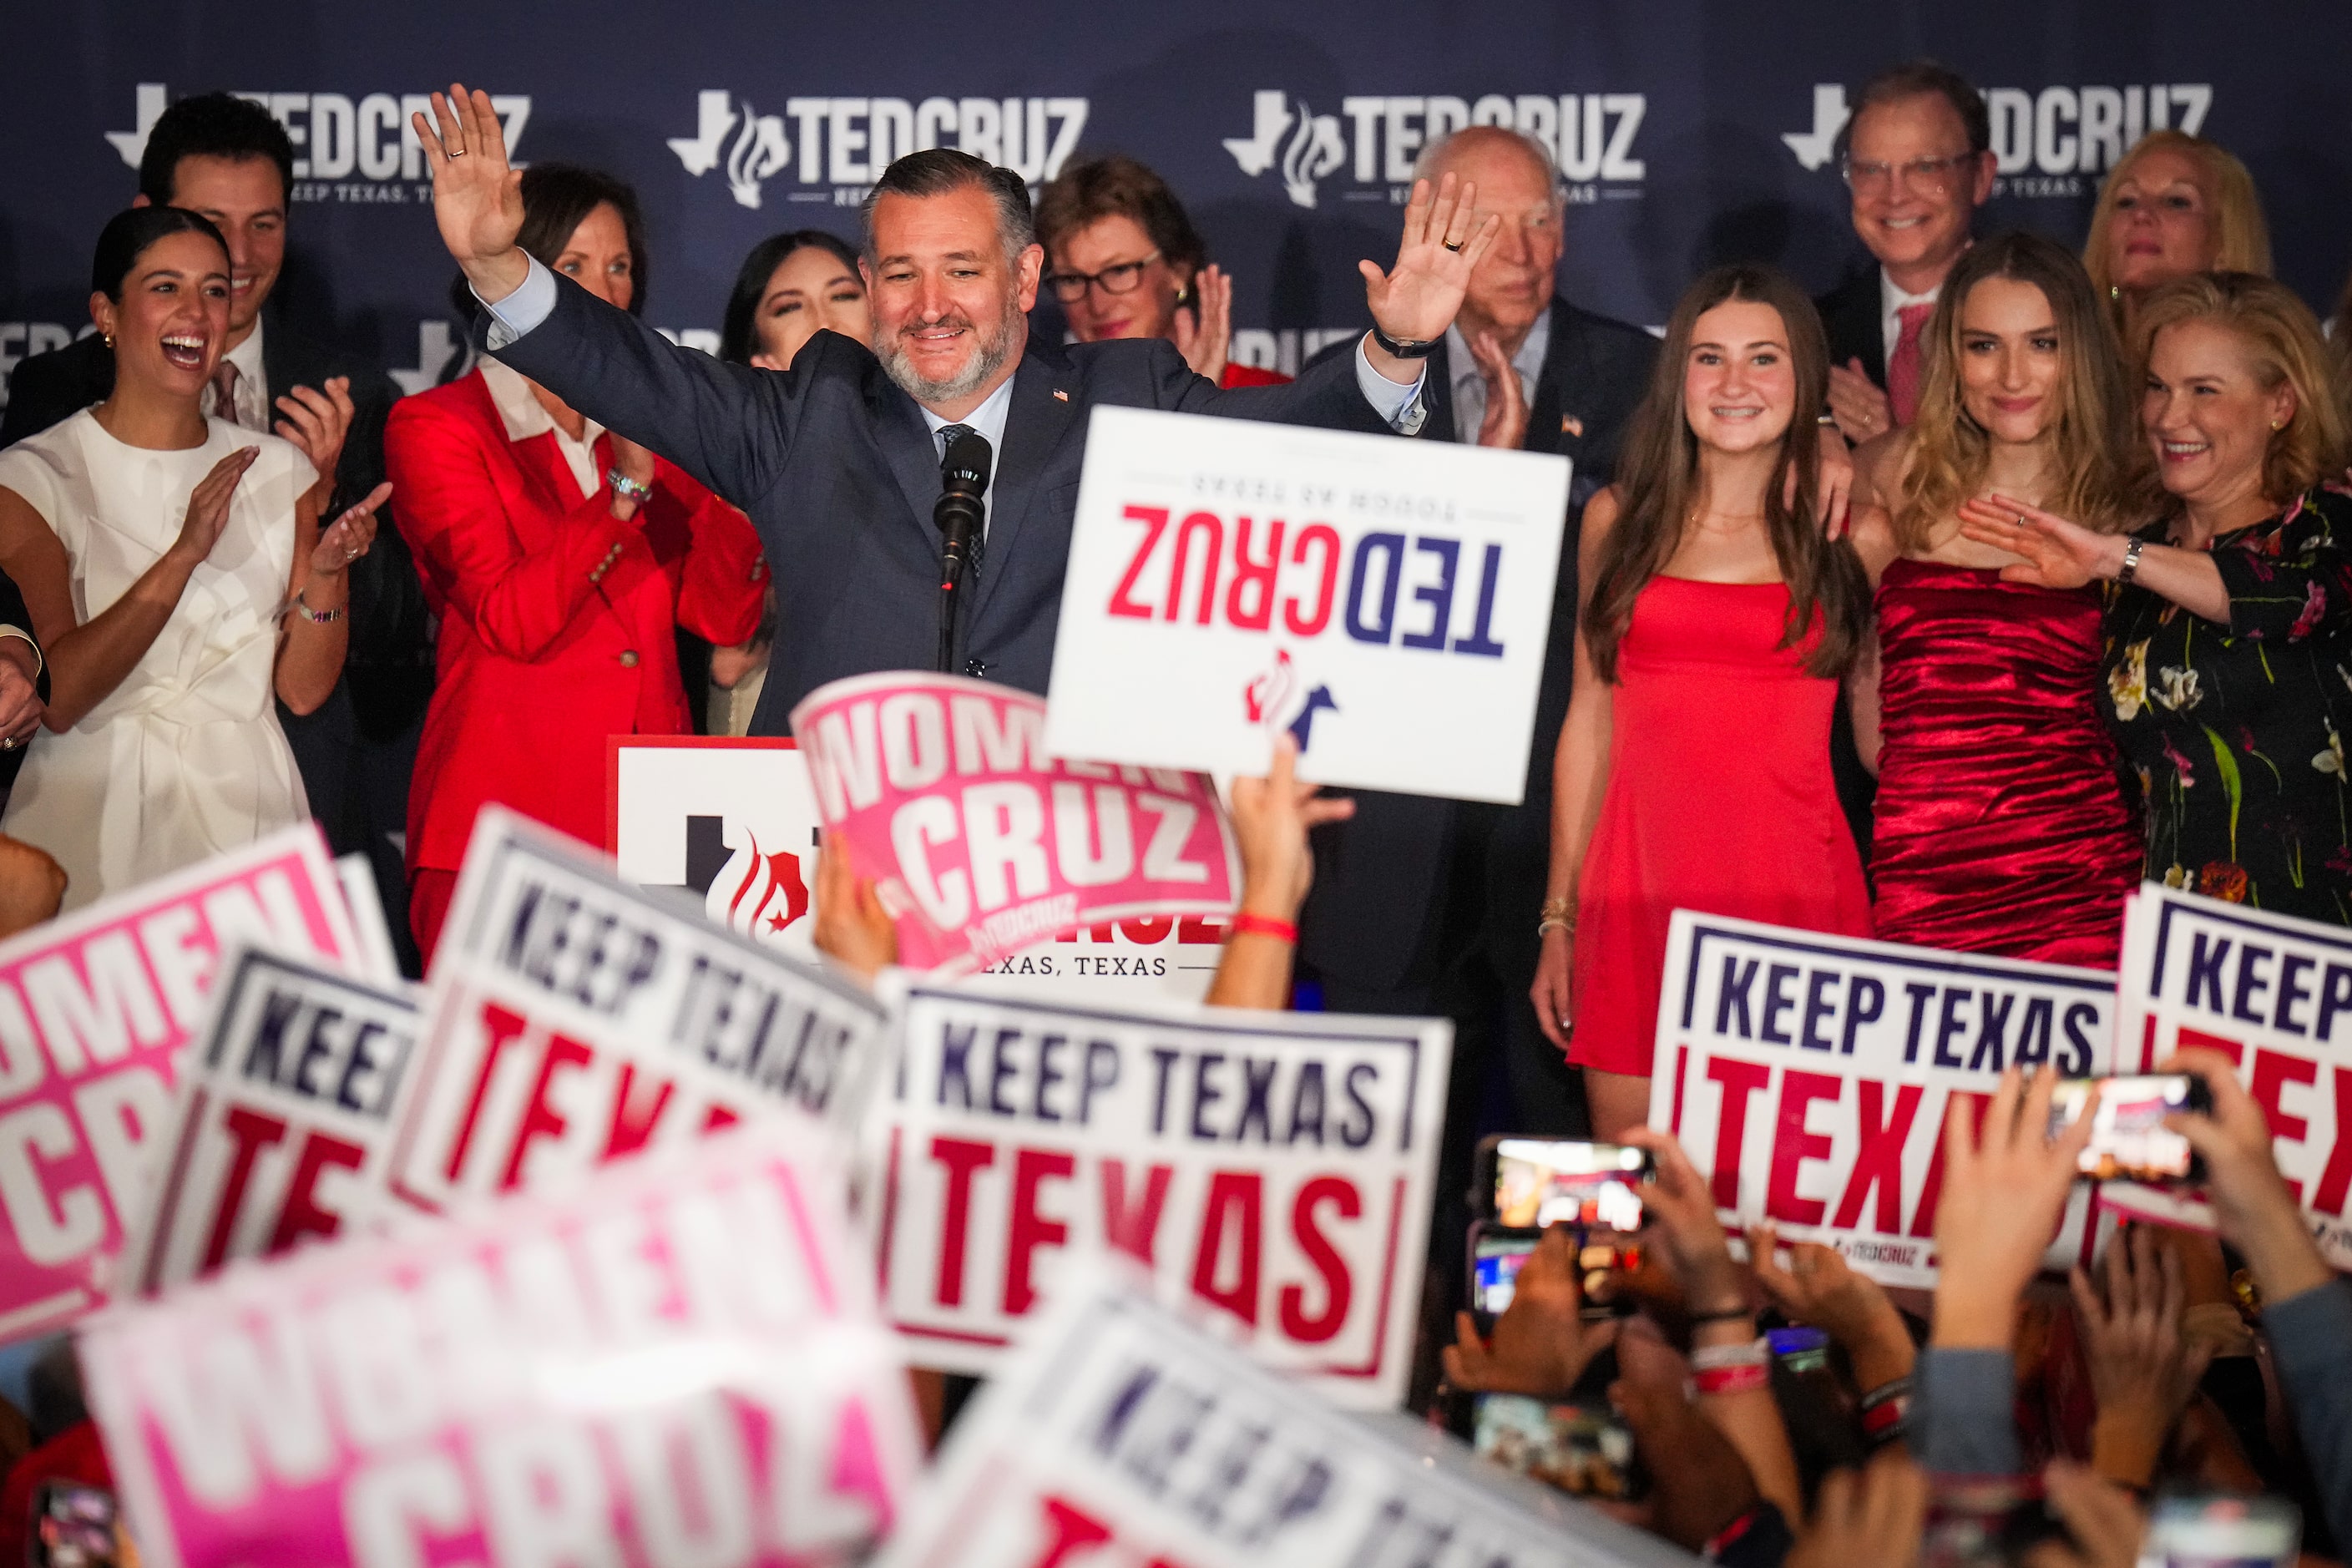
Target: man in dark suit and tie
[
  {"x": 837, "y": 459},
  {"x": 1425, "y": 906},
  {"x": 1919, "y": 164},
  {"x": 230, "y": 159}
]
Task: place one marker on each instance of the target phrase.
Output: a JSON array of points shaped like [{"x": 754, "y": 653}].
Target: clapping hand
[
  {"x": 208, "y": 505},
  {"x": 318, "y": 420},
  {"x": 1505, "y": 424},
  {"x": 1416, "y": 298},
  {"x": 477, "y": 197},
  {"x": 349, "y": 537},
  {"x": 1204, "y": 334},
  {"x": 1861, "y": 410}
]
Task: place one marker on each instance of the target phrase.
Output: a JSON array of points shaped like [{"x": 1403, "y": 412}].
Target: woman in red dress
[
  {"x": 1693, "y": 771},
  {"x": 2001, "y": 822},
  {"x": 560, "y": 560}
]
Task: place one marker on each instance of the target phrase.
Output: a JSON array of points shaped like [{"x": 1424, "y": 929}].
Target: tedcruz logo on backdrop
[
  {"x": 345, "y": 149},
  {"x": 836, "y": 147},
  {"x": 2043, "y": 142},
  {"x": 1371, "y": 142}
]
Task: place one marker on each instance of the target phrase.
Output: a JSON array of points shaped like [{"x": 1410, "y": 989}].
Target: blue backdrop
[{"x": 1691, "y": 130}]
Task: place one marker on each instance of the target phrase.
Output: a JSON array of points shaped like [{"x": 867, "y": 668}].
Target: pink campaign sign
[
  {"x": 978, "y": 843},
  {"x": 94, "y": 1010},
  {"x": 670, "y": 1361}
]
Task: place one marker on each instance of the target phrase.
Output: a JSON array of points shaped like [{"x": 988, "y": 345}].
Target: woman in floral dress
[{"x": 2229, "y": 625}]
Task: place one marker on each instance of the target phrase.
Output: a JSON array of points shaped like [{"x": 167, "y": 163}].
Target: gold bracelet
[{"x": 1558, "y": 914}]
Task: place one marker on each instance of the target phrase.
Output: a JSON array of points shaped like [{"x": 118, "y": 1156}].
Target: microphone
[{"x": 961, "y": 512}]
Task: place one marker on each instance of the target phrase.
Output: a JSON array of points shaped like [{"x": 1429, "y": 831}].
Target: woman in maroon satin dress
[{"x": 2002, "y": 825}]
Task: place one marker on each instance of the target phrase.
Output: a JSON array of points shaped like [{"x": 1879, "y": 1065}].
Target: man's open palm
[{"x": 477, "y": 197}]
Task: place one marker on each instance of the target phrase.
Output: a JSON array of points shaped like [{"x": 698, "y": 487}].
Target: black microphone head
[{"x": 967, "y": 463}]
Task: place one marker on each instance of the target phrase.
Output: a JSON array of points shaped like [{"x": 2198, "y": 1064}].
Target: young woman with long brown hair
[
  {"x": 2001, "y": 824},
  {"x": 1693, "y": 771}
]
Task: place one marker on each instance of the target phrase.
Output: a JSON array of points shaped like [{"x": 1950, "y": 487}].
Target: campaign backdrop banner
[
  {"x": 1687, "y": 132},
  {"x": 701, "y": 819},
  {"x": 1811, "y": 1075},
  {"x": 2272, "y": 992},
  {"x": 281, "y": 1120},
  {"x": 573, "y": 1019},
  {"x": 1385, "y": 603},
  {"x": 1273, "y": 1167},
  {"x": 1121, "y": 1433},
  {"x": 676, "y": 1361},
  {"x": 978, "y": 842},
  {"x": 94, "y": 1010}
]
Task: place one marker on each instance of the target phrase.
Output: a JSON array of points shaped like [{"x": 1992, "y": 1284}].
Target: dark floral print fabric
[{"x": 2237, "y": 732}]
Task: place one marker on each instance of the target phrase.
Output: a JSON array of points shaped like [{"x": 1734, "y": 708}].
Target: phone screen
[
  {"x": 1544, "y": 1181},
  {"x": 2222, "y": 1532},
  {"x": 1584, "y": 1450},
  {"x": 73, "y": 1527},
  {"x": 2128, "y": 1138},
  {"x": 1496, "y": 1266}
]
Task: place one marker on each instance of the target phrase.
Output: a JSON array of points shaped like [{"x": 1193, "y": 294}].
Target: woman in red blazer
[{"x": 560, "y": 558}]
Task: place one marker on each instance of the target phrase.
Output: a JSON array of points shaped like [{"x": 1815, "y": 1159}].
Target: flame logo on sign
[
  {"x": 1268, "y": 700},
  {"x": 758, "y": 894}
]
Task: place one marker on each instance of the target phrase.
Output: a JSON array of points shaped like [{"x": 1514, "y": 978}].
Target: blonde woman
[
  {"x": 2176, "y": 204},
  {"x": 2229, "y": 632},
  {"x": 2001, "y": 824}
]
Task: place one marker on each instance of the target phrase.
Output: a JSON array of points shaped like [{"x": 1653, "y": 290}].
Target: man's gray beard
[{"x": 990, "y": 359}]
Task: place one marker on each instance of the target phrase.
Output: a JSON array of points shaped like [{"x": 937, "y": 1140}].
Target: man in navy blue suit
[{"x": 837, "y": 459}]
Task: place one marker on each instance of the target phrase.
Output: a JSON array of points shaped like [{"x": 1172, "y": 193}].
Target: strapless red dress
[
  {"x": 1720, "y": 799},
  {"x": 2001, "y": 823}
]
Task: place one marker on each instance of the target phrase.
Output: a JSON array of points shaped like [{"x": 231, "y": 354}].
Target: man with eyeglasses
[{"x": 1919, "y": 163}]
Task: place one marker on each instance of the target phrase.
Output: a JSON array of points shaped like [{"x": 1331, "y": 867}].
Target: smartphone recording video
[
  {"x": 73, "y": 1527},
  {"x": 2130, "y": 1140},
  {"x": 1542, "y": 1182},
  {"x": 1496, "y": 1258}
]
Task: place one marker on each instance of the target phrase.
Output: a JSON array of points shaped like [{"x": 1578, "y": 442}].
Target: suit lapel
[
  {"x": 914, "y": 455},
  {"x": 1034, "y": 427},
  {"x": 1545, "y": 432}
]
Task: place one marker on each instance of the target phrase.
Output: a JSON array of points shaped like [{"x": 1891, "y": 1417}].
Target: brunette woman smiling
[{"x": 178, "y": 578}]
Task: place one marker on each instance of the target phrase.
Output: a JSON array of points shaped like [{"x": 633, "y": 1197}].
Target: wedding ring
[
  {"x": 452, "y": 153},
  {"x": 1451, "y": 244}
]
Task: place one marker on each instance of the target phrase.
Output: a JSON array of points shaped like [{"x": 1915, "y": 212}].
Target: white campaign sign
[
  {"x": 1122, "y": 1435},
  {"x": 1810, "y": 1075},
  {"x": 729, "y": 826},
  {"x": 2274, "y": 995},
  {"x": 1386, "y": 602},
  {"x": 1274, "y": 1166},
  {"x": 281, "y": 1119}
]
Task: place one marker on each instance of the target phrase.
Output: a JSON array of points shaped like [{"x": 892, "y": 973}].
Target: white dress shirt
[
  {"x": 1891, "y": 300},
  {"x": 987, "y": 422},
  {"x": 525, "y": 416},
  {"x": 1470, "y": 381}
]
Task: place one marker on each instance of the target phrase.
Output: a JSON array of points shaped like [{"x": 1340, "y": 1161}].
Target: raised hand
[
  {"x": 1680, "y": 1208},
  {"x": 1204, "y": 334},
  {"x": 2056, "y": 553},
  {"x": 317, "y": 421},
  {"x": 209, "y": 506},
  {"x": 1542, "y": 1343},
  {"x": 1416, "y": 298},
  {"x": 477, "y": 197},
  {"x": 1873, "y": 1516},
  {"x": 1272, "y": 817},
  {"x": 853, "y": 929},
  {"x": 349, "y": 537},
  {"x": 1818, "y": 1287},
  {"x": 2255, "y": 1212},
  {"x": 1505, "y": 424},
  {"x": 2143, "y": 1372},
  {"x": 2003, "y": 1191}
]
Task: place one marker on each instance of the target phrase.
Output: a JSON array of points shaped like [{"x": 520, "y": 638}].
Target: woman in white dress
[{"x": 177, "y": 577}]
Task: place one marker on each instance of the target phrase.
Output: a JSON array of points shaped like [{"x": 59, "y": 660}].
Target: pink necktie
[
  {"x": 224, "y": 392},
  {"x": 1903, "y": 365}
]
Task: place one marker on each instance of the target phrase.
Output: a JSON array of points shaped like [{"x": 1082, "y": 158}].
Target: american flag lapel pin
[
  {"x": 1060, "y": 396},
  {"x": 1570, "y": 425}
]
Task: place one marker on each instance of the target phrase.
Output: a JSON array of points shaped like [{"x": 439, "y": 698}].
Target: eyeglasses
[
  {"x": 1926, "y": 173},
  {"x": 1070, "y": 287}
]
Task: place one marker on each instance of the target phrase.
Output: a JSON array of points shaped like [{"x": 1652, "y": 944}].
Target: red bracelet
[
  {"x": 1731, "y": 1379},
  {"x": 1266, "y": 925}
]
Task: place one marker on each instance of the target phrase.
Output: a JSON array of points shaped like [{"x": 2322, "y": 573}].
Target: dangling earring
[{"x": 2115, "y": 291}]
